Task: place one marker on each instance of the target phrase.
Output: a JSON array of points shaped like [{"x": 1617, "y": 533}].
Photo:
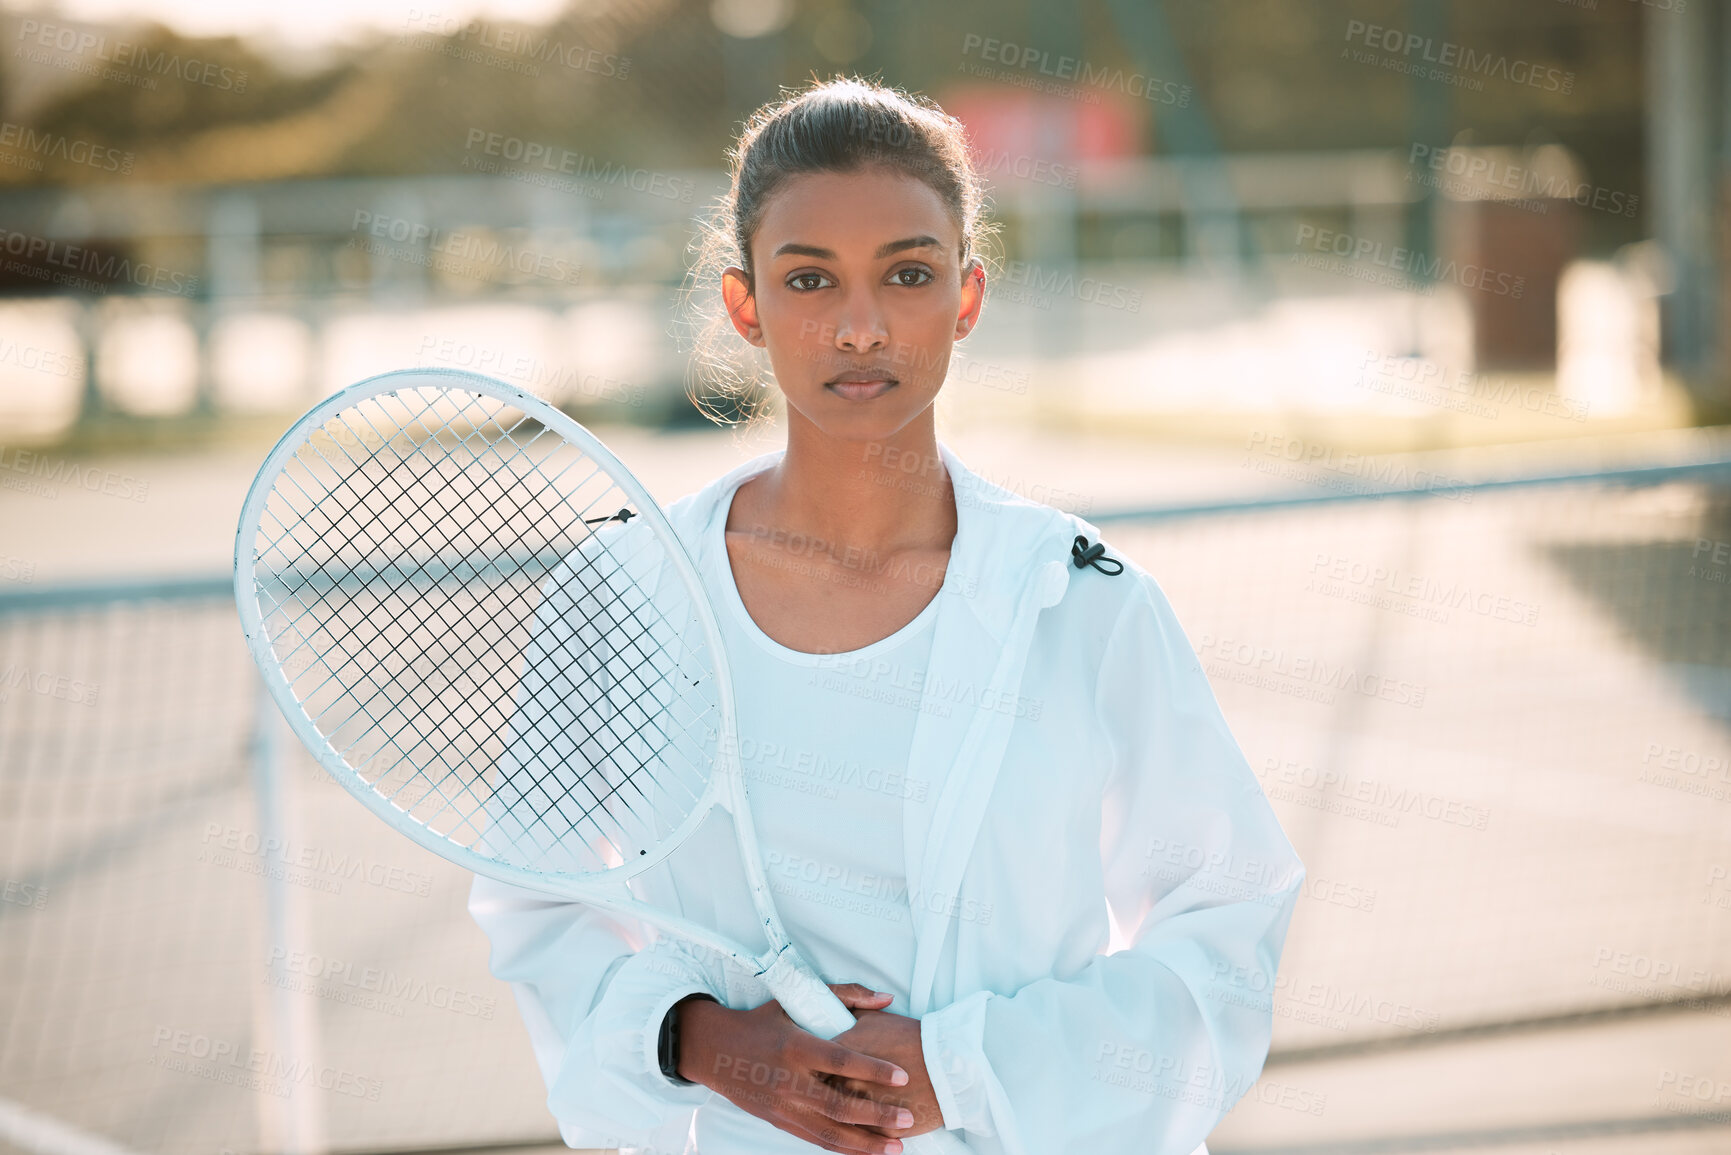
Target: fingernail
[
  {"x": 893, "y": 1147},
  {"x": 899, "y": 1078},
  {"x": 904, "y": 1118}
]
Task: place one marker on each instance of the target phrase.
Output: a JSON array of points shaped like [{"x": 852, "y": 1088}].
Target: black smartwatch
[{"x": 669, "y": 1046}]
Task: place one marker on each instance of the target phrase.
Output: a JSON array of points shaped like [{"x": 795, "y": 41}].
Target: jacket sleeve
[
  {"x": 593, "y": 989},
  {"x": 1144, "y": 1049}
]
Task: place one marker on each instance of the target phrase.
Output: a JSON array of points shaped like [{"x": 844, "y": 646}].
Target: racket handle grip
[
  {"x": 809, "y": 1002},
  {"x": 805, "y": 997}
]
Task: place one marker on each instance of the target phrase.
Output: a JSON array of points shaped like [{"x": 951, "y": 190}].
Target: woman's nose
[{"x": 860, "y": 326}]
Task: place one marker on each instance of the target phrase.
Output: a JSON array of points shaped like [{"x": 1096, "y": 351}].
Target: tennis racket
[{"x": 481, "y": 625}]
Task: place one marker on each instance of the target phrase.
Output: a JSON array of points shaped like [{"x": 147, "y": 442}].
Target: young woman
[{"x": 974, "y": 746}]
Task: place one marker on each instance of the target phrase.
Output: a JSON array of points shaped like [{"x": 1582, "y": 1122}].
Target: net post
[{"x": 295, "y": 1126}]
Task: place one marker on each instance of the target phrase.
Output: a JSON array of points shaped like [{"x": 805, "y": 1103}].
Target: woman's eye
[
  {"x": 918, "y": 272},
  {"x": 795, "y": 281}
]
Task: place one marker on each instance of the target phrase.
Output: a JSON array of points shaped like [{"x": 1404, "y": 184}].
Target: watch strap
[{"x": 668, "y": 1047}]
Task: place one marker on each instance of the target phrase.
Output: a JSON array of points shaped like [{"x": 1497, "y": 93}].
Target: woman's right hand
[{"x": 766, "y": 1064}]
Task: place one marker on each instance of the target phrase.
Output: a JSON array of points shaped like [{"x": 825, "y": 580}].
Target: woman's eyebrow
[{"x": 794, "y": 248}]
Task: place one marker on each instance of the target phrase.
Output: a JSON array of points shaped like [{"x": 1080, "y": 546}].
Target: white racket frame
[{"x": 789, "y": 977}]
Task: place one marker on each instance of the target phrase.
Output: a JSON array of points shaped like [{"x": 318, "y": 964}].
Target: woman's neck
[{"x": 881, "y": 495}]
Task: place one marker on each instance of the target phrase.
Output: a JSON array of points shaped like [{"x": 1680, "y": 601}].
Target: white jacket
[{"x": 1085, "y": 793}]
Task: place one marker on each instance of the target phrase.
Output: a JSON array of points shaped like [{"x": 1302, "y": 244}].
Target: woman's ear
[
  {"x": 973, "y": 296},
  {"x": 741, "y": 303}
]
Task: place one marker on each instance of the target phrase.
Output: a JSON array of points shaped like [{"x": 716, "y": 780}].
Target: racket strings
[
  {"x": 349, "y": 540},
  {"x": 466, "y": 499},
  {"x": 329, "y": 528},
  {"x": 593, "y": 747},
  {"x": 468, "y": 620},
  {"x": 421, "y": 568},
  {"x": 647, "y": 722}
]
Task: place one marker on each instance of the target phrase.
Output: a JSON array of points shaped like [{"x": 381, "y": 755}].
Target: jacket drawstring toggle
[{"x": 1083, "y": 554}]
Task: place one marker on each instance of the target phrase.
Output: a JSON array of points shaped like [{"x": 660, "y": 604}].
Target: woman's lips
[{"x": 861, "y": 390}]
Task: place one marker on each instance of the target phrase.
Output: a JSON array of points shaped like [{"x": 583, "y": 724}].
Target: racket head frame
[{"x": 726, "y": 784}]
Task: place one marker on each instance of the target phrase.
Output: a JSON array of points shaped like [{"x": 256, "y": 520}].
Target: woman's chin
[{"x": 876, "y": 419}]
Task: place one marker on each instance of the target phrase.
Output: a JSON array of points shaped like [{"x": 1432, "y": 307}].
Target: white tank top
[{"x": 821, "y": 735}]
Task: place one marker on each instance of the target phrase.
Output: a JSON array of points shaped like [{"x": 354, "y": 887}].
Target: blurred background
[{"x": 1391, "y": 337}]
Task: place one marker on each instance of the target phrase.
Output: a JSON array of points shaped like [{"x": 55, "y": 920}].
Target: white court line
[{"x": 46, "y": 1135}]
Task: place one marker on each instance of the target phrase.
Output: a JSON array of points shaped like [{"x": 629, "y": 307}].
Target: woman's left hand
[{"x": 883, "y": 1035}]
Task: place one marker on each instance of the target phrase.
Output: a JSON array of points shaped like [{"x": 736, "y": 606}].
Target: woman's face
[{"x": 859, "y": 296}]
